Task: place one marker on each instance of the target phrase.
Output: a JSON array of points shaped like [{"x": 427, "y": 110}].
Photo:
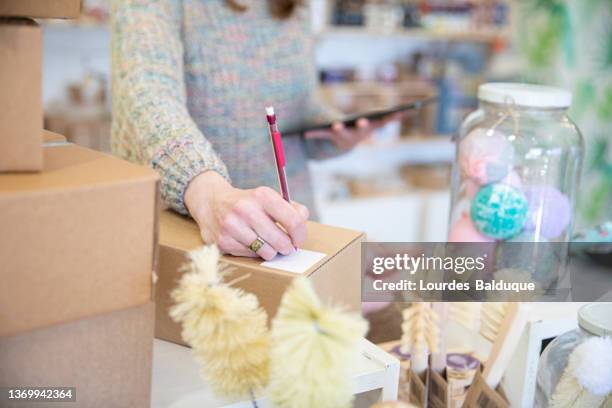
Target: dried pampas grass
[
  {"x": 313, "y": 349},
  {"x": 224, "y": 325},
  {"x": 307, "y": 358}
]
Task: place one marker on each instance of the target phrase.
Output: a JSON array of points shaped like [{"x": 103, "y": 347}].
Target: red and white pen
[{"x": 279, "y": 154}]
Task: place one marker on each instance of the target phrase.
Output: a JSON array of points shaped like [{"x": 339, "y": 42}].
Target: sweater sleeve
[{"x": 151, "y": 123}]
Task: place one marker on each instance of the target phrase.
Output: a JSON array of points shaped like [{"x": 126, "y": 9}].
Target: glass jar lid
[
  {"x": 596, "y": 318},
  {"x": 527, "y": 95}
]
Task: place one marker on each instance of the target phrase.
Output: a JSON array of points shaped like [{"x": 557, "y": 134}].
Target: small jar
[
  {"x": 594, "y": 319},
  {"x": 516, "y": 172}
]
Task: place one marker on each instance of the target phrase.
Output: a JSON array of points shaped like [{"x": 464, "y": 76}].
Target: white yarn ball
[{"x": 591, "y": 365}]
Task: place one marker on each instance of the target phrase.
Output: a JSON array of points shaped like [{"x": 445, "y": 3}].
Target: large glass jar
[
  {"x": 594, "y": 319},
  {"x": 515, "y": 176}
]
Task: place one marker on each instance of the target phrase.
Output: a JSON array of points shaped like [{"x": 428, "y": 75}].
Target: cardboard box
[
  {"x": 51, "y": 137},
  {"x": 21, "y": 117},
  {"x": 41, "y": 8},
  {"x": 336, "y": 278},
  {"x": 78, "y": 239},
  {"x": 107, "y": 358}
]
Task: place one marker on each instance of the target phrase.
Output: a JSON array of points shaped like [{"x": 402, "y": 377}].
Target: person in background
[{"x": 190, "y": 80}]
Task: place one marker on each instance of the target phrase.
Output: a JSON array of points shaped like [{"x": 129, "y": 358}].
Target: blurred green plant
[
  {"x": 604, "y": 108},
  {"x": 550, "y": 31},
  {"x": 599, "y": 200},
  {"x": 569, "y": 43},
  {"x": 604, "y": 55}
]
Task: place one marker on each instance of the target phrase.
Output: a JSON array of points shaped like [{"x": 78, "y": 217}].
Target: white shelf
[
  {"x": 177, "y": 382},
  {"x": 389, "y": 154},
  {"x": 473, "y": 35}
]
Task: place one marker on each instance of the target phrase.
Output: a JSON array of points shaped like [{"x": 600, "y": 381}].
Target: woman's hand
[
  {"x": 346, "y": 138},
  {"x": 234, "y": 218}
]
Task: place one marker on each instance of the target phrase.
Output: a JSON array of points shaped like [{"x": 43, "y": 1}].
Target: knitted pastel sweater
[{"x": 190, "y": 80}]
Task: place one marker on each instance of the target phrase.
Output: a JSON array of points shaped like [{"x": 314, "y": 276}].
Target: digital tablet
[{"x": 375, "y": 115}]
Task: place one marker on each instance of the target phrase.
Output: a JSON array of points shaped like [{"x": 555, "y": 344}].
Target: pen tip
[{"x": 270, "y": 110}]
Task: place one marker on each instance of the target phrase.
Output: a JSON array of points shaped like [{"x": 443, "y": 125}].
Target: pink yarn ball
[
  {"x": 470, "y": 188},
  {"x": 465, "y": 231},
  {"x": 460, "y": 209},
  {"x": 485, "y": 155}
]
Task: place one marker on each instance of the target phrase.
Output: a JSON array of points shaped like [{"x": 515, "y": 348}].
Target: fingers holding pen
[
  {"x": 265, "y": 228},
  {"x": 292, "y": 218},
  {"x": 235, "y": 218},
  {"x": 262, "y": 214},
  {"x": 237, "y": 237}
]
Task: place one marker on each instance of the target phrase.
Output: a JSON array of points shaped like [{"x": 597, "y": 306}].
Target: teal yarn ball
[{"x": 499, "y": 210}]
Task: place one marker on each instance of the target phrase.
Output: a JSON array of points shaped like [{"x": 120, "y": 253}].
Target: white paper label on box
[{"x": 298, "y": 262}]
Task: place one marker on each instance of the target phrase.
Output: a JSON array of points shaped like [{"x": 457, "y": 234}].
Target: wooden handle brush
[
  {"x": 438, "y": 358},
  {"x": 511, "y": 319},
  {"x": 419, "y": 335}
]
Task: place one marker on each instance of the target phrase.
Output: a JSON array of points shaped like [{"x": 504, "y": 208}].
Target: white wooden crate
[{"x": 177, "y": 382}]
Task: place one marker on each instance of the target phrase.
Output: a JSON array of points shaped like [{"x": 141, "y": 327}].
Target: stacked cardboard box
[
  {"x": 106, "y": 358},
  {"x": 77, "y": 243},
  {"x": 21, "y": 115},
  {"x": 78, "y": 250},
  {"x": 52, "y": 137},
  {"x": 77, "y": 237},
  {"x": 41, "y": 8}
]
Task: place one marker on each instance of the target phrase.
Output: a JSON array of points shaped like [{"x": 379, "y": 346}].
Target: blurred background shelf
[
  {"x": 484, "y": 35},
  {"x": 377, "y": 155},
  {"x": 394, "y": 190}
]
